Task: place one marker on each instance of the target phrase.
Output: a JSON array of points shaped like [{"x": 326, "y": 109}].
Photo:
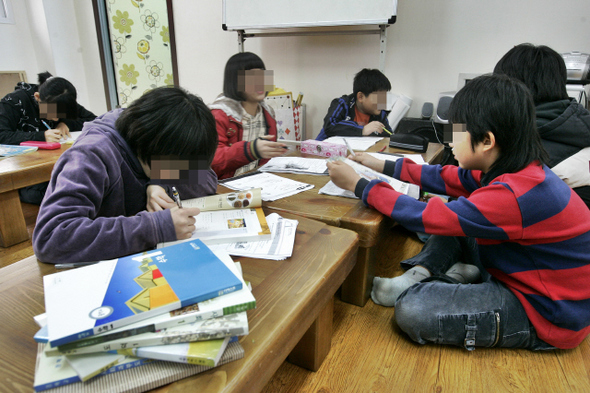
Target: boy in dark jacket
[
  {"x": 361, "y": 113},
  {"x": 564, "y": 124}
]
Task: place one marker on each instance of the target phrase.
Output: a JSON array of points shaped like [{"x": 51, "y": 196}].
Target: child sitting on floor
[
  {"x": 100, "y": 188},
  {"x": 515, "y": 223},
  {"x": 361, "y": 113}
]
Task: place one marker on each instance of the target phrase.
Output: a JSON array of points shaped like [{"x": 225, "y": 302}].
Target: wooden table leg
[
  {"x": 315, "y": 344},
  {"x": 356, "y": 289},
  {"x": 13, "y": 228}
]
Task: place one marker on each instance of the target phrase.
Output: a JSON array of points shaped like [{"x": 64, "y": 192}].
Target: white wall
[
  {"x": 429, "y": 45},
  {"x": 16, "y": 46}
]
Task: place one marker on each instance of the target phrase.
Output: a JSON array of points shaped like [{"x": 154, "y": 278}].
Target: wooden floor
[{"x": 370, "y": 354}]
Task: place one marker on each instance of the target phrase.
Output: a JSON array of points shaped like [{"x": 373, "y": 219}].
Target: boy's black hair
[
  {"x": 504, "y": 106},
  {"x": 169, "y": 121},
  {"x": 368, "y": 81},
  {"x": 239, "y": 62},
  {"x": 540, "y": 68},
  {"x": 56, "y": 90}
]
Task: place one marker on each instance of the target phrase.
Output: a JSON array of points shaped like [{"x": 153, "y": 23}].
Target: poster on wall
[{"x": 141, "y": 46}]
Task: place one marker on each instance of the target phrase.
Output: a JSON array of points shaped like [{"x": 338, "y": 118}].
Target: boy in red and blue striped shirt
[{"x": 514, "y": 222}]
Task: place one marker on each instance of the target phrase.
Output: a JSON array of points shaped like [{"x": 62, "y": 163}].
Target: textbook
[
  {"x": 209, "y": 329},
  {"x": 55, "y": 373},
  {"x": 411, "y": 190},
  {"x": 88, "y": 366},
  {"x": 225, "y": 218},
  {"x": 204, "y": 353},
  {"x": 13, "y": 150},
  {"x": 238, "y": 301},
  {"x": 95, "y": 299}
]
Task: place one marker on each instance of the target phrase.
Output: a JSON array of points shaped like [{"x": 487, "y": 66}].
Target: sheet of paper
[
  {"x": 72, "y": 138},
  {"x": 279, "y": 247},
  {"x": 417, "y": 158},
  {"x": 357, "y": 143},
  {"x": 273, "y": 187},
  {"x": 309, "y": 166}
]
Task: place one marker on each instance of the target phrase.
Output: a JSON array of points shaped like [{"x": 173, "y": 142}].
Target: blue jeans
[{"x": 440, "y": 310}]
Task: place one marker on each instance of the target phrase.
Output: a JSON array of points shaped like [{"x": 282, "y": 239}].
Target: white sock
[
  {"x": 386, "y": 290},
  {"x": 464, "y": 273}
]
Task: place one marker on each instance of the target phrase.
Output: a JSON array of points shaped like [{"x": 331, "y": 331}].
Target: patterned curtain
[{"x": 140, "y": 44}]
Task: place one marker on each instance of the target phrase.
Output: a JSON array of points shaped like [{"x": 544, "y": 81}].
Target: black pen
[
  {"x": 176, "y": 197},
  {"x": 392, "y": 154}
]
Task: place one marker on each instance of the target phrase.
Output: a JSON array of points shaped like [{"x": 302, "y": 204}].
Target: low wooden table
[
  {"x": 293, "y": 316},
  {"x": 18, "y": 172},
  {"x": 351, "y": 214}
]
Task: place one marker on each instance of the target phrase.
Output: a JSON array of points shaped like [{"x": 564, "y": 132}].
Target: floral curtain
[{"x": 140, "y": 43}]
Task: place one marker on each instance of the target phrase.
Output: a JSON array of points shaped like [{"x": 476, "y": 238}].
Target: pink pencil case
[
  {"x": 324, "y": 149},
  {"x": 42, "y": 145}
]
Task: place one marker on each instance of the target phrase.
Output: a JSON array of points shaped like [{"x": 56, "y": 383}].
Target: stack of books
[{"x": 175, "y": 312}]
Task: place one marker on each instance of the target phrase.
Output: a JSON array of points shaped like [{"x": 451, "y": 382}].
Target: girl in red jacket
[{"x": 246, "y": 126}]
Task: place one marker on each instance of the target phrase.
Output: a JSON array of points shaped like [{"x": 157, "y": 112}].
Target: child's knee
[{"x": 412, "y": 316}]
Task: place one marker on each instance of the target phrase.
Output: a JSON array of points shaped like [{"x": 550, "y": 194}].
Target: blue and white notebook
[
  {"x": 12, "y": 150},
  {"x": 94, "y": 299}
]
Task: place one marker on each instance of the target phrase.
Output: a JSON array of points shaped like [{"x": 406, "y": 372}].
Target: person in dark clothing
[
  {"x": 361, "y": 113},
  {"x": 564, "y": 124},
  {"x": 45, "y": 112}
]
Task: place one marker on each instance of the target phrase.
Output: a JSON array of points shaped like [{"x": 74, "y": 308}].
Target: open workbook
[
  {"x": 408, "y": 189},
  {"x": 232, "y": 217}
]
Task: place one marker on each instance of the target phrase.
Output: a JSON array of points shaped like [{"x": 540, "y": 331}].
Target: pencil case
[
  {"x": 324, "y": 149},
  {"x": 42, "y": 145}
]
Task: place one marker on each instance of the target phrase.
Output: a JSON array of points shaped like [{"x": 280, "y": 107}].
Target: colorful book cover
[
  {"x": 216, "y": 328},
  {"x": 204, "y": 353},
  {"x": 238, "y": 301},
  {"x": 98, "y": 298},
  {"x": 13, "y": 150}
]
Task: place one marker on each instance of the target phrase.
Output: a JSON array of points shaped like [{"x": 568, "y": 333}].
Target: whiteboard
[{"x": 274, "y": 14}]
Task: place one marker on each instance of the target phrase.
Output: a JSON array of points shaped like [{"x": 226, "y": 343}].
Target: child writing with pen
[
  {"x": 113, "y": 192},
  {"x": 361, "y": 113},
  {"x": 45, "y": 112},
  {"x": 509, "y": 261},
  {"x": 246, "y": 126}
]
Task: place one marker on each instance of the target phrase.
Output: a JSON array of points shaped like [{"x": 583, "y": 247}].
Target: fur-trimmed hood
[{"x": 233, "y": 108}]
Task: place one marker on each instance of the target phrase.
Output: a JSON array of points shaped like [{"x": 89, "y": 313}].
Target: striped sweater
[{"x": 532, "y": 230}]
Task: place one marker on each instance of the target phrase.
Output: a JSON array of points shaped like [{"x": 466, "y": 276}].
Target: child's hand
[
  {"x": 52, "y": 135},
  {"x": 157, "y": 199},
  {"x": 64, "y": 130},
  {"x": 269, "y": 149},
  {"x": 374, "y": 126},
  {"x": 343, "y": 175},
  {"x": 184, "y": 222},
  {"x": 369, "y": 161}
]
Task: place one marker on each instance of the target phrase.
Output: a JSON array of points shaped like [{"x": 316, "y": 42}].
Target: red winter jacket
[{"x": 233, "y": 152}]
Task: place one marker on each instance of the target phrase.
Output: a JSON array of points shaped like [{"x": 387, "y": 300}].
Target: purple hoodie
[{"x": 95, "y": 205}]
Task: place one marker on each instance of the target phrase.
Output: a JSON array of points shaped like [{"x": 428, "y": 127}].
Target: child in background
[
  {"x": 564, "y": 125},
  {"x": 515, "y": 224},
  {"x": 95, "y": 207},
  {"x": 246, "y": 126},
  {"x": 361, "y": 113},
  {"x": 44, "y": 112}
]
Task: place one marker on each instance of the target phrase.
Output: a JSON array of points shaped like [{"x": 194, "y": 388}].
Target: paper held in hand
[{"x": 408, "y": 189}]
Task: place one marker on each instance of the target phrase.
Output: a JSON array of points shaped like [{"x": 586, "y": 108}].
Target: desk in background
[
  {"x": 347, "y": 213},
  {"x": 293, "y": 316},
  {"x": 18, "y": 172}
]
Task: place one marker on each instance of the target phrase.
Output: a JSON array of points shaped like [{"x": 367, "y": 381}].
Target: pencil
[
  {"x": 349, "y": 148},
  {"x": 386, "y": 130},
  {"x": 176, "y": 196}
]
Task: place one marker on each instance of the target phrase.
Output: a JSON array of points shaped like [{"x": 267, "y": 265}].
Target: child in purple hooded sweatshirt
[{"x": 110, "y": 193}]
